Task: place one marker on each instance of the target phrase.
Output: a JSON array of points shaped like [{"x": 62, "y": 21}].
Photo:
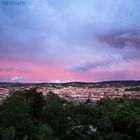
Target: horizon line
[{"x": 49, "y": 82}]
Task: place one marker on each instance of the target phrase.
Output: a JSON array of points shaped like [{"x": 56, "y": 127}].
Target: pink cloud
[{"x": 42, "y": 71}]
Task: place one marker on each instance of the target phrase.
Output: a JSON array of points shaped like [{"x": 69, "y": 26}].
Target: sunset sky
[{"x": 70, "y": 40}]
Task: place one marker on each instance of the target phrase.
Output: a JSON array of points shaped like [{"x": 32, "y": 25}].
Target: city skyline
[{"x": 70, "y": 40}]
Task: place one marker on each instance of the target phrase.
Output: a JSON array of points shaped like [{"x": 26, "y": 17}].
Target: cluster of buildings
[
  {"x": 76, "y": 94},
  {"x": 4, "y": 92},
  {"x": 87, "y": 94}
]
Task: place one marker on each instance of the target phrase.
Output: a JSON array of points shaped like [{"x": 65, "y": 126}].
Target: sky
[{"x": 70, "y": 40}]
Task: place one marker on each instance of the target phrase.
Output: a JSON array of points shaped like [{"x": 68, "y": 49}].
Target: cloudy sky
[{"x": 70, "y": 40}]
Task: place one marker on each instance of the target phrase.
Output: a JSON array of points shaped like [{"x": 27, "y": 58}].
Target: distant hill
[
  {"x": 76, "y": 84},
  {"x": 104, "y": 83},
  {"x": 8, "y": 84}
]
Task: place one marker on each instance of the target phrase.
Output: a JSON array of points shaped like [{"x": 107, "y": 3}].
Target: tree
[
  {"x": 81, "y": 122},
  {"x": 15, "y": 113},
  {"x": 36, "y": 102},
  {"x": 8, "y": 134},
  {"x": 45, "y": 133},
  {"x": 54, "y": 115}
]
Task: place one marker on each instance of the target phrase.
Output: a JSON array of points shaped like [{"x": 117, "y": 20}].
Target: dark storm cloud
[
  {"x": 24, "y": 71},
  {"x": 86, "y": 66},
  {"x": 82, "y": 67},
  {"x": 7, "y": 69},
  {"x": 122, "y": 39}
]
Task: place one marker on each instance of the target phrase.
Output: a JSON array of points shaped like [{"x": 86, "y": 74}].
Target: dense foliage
[{"x": 27, "y": 115}]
